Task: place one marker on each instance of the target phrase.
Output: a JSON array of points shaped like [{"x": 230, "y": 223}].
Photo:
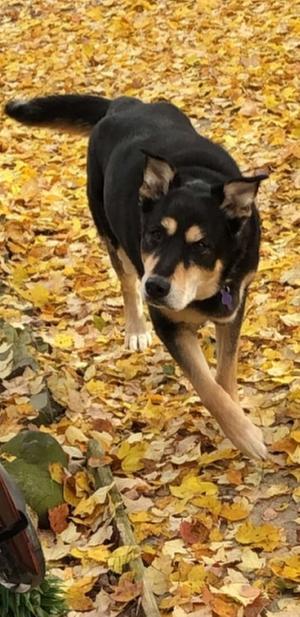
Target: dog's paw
[
  {"x": 138, "y": 342},
  {"x": 249, "y": 440}
]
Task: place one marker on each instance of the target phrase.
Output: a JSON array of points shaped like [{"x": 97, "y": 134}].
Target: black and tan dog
[{"x": 177, "y": 214}]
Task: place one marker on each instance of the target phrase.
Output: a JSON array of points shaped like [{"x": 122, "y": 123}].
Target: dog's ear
[
  {"x": 158, "y": 175},
  {"x": 239, "y": 196}
]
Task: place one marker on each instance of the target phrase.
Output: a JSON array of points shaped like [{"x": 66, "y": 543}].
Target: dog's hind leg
[
  {"x": 227, "y": 339},
  {"x": 183, "y": 345},
  {"x": 137, "y": 336}
]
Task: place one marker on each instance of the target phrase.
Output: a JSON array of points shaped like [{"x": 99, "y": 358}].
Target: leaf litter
[{"x": 219, "y": 534}]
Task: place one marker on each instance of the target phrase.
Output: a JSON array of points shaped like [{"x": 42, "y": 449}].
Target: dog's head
[{"x": 190, "y": 233}]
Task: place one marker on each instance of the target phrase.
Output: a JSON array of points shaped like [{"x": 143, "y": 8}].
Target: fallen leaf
[
  {"x": 58, "y": 518},
  {"x": 76, "y": 594},
  {"x": 127, "y": 589},
  {"x": 121, "y": 556},
  {"x": 192, "y": 486},
  {"x": 287, "y": 566},
  {"x": 264, "y": 536}
]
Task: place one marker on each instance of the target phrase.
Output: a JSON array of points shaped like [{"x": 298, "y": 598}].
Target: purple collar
[{"x": 226, "y": 297}]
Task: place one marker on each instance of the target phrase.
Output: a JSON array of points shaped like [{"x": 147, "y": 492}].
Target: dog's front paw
[
  {"x": 249, "y": 439},
  {"x": 137, "y": 341}
]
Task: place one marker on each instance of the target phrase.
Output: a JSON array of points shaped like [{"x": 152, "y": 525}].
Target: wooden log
[{"x": 104, "y": 477}]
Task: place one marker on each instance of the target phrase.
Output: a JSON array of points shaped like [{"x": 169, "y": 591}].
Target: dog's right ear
[{"x": 158, "y": 175}]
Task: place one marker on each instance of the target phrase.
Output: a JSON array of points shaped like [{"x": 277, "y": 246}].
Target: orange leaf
[
  {"x": 220, "y": 606},
  {"x": 58, "y": 518}
]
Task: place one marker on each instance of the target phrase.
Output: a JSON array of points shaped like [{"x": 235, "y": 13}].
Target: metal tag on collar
[{"x": 227, "y": 297}]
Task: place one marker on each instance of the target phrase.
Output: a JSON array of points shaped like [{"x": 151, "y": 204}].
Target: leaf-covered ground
[{"x": 217, "y": 532}]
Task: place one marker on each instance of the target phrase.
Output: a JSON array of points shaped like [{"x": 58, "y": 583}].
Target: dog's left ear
[
  {"x": 158, "y": 175},
  {"x": 239, "y": 196}
]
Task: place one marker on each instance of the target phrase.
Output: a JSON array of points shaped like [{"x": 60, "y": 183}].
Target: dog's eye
[
  {"x": 202, "y": 245},
  {"x": 156, "y": 234}
]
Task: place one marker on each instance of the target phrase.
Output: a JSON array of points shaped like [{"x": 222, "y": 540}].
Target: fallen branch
[{"x": 104, "y": 477}]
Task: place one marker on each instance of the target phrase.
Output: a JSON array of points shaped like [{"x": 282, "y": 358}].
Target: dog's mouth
[
  {"x": 159, "y": 292},
  {"x": 155, "y": 303}
]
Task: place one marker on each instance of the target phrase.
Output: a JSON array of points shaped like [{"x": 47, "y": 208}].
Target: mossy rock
[{"x": 34, "y": 451}]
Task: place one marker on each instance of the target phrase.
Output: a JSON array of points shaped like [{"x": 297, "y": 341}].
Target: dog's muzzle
[{"x": 157, "y": 288}]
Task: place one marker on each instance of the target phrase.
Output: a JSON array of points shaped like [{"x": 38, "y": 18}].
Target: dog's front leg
[
  {"x": 227, "y": 339},
  {"x": 183, "y": 345},
  {"x": 137, "y": 336}
]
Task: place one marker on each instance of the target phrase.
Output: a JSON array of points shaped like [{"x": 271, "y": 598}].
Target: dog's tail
[{"x": 71, "y": 112}]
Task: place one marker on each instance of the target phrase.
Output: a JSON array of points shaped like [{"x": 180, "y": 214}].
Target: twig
[{"x": 103, "y": 477}]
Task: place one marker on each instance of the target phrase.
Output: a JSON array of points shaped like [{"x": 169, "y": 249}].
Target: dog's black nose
[{"x": 157, "y": 287}]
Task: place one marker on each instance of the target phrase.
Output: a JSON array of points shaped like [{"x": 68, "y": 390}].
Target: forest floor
[{"x": 217, "y": 532}]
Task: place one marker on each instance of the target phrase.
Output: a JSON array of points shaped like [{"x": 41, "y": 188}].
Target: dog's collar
[{"x": 226, "y": 296}]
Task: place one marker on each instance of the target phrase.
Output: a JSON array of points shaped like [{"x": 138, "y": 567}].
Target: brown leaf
[
  {"x": 255, "y": 609},
  {"x": 127, "y": 589},
  {"x": 58, "y": 518},
  {"x": 193, "y": 532}
]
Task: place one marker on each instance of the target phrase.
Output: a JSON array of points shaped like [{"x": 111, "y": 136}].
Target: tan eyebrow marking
[
  {"x": 170, "y": 225},
  {"x": 194, "y": 234}
]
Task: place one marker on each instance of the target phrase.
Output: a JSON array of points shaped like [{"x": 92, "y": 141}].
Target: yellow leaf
[
  {"x": 140, "y": 517},
  {"x": 271, "y": 101},
  {"x": 295, "y": 456},
  {"x": 286, "y": 566},
  {"x": 95, "y": 13},
  {"x": 265, "y": 536},
  {"x": 37, "y": 294},
  {"x": 276, "y": 489},
  {"x": 88, "y": 505},
  {"x": 192, "y": 59},
  {"x": 128, "y": 367},
  {"x": 210, "y": 502},
  {"x": 133, "y": 460},
  {"x": 295, "y": 435},
  {"x": 63, "y": 340},
  {"x": 96, "y": 553},
  {"x": 296, "y": 494},
  {"x": 19, "y": 274},
  {"x": 121, "y": 556},
  {"x": 85, "y": 506},
  {"x": 70, "y": 493},
  {"x": 76, "y": 225},
  {"x": 96, "y": 387},
  {"x": 196, "y": 578},
  {"x": 216, "y": 535},
  {"x": 56, "y": 472},
  {"x": 217, "y": 455},
  {"x": 82, "y": 483},
  {"x": 75, "y": 435},
  {"x": 7, "y": 457},
  {"x": 235, "y": 511},
  {"x": 191, "y": 486},
  {"x": 123, "y": 450},
  {"x": 76, "y": 594}
]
